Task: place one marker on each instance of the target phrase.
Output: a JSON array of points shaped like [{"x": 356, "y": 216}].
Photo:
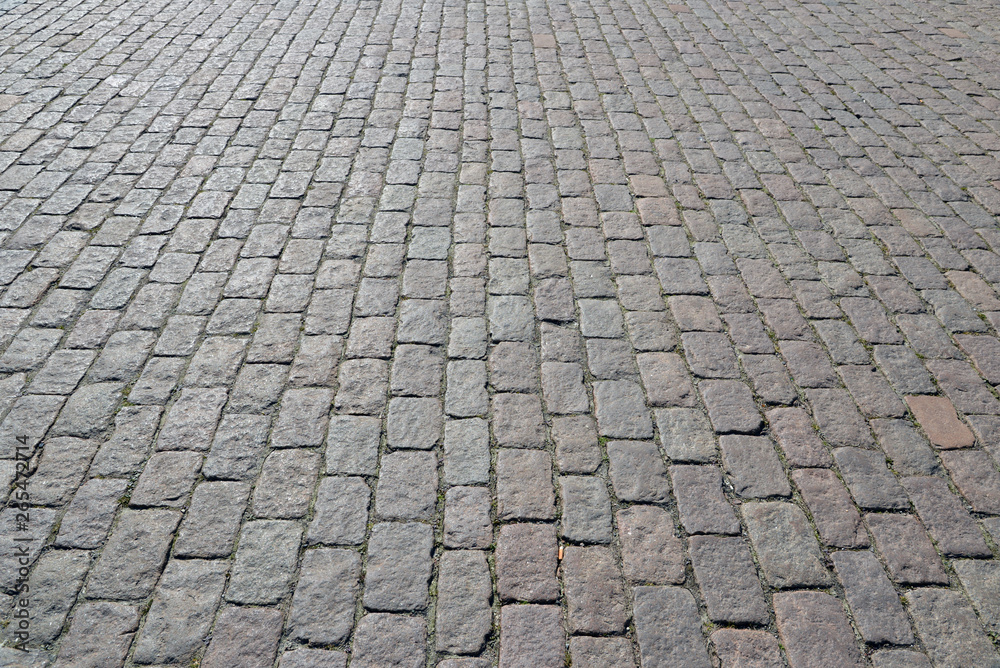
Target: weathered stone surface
[
  {"x": 877, "y": 611},
  {"x": 950, "y": 631},
  {"x": 526, "y": 560},
  {"x": 389, "y": 640},
  {"x": 303, "y": 270},
  {"x": 907, "y": 550},
  {"x": 407, "y": 486},
  {"x": 651, "y": 551},
  {"x": 534, "y": 636},
  {"x": 322, "y": 609},
  {"x": 837, "y": 519},
  {"x": 936, "y": 415},
  {"x": 728, "y": 580},
  {"x": 183, "y": 608},
  {"x": 668, "y": 628},
  {"x": 524, "y": 485},
  {"x": 981, "y": 580},
  {"x": 871, "y": 484},
  {"x": 754, "y": 466},
  {"x": 463, "y": 615},
  {"x": 517, "y": 421},
  {"x": 621, "y": 410},
  {"x": 265, "y": 561},
  {"x": 99, "y": 635},
  {"x": 53, "y": 585},
  {"x": 686, "y": 435},
  {"x": 593, "y": 652},
  {"x": 947, "y": 520},
  {"x": 782, "y": 538},
  {"x": 702, "y": 506},
  {"x": 586, "y": 509},
  {"x": 595, "y": 594},
  {"x": 814, "y": 630},
  {"x": 212, "y": 520},
  {"x": 743, "y": 647},
  {"x": 399, "y": 567},
  {"x": 131, "y": 561},
  {"x": 637, "y": 472},
  {"x": 730, "y": 407},
  {"x": 341, "y": 512},
  {"x": 793, "y": 430},
  {"x": 244, "y": 637}
]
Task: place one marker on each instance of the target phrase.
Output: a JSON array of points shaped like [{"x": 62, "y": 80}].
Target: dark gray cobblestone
[{"x": 499, "y": 333}]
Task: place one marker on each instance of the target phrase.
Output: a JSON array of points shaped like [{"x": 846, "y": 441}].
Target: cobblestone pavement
[{"x": 516, "y": 332}]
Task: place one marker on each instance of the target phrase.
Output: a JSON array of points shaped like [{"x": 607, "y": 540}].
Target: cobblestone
[{"x": 536, "y": 300}]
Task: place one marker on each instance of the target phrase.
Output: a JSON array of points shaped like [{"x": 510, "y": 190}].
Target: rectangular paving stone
[
  {"x": 621, "y": 410},
  {"x": 874, "y": 603},
  {"x": 832, "y": 509},
  {"x": 54, "y": 585},
  {"x": 686, "y": 434},
  {"x": 872, "y": 485},
  {"x": 949, "y": 523},
  {"x": 212, "y": 520},
  {"x": 517, "y": 421},
  {"x": 340, "y": 512},
  {"x": 464, "y": 617},
  {"x": 595, "y": 652},
  {"x": 651, "y": 551},
  {"x": 838, "y": 418},
  {"x": 908, "y": 552},
  {"x": 586, "y": 508},
  {"x": 755, "y": 647},
  {"x": 595, "y": 594},
  {"x": 668, "y": 628},
  {"x": 407, "y": 485},
  {"x": 533, "y": 636},
  {"x": 285, "y": 484},
  {"x": 814, "y": 630},
  {"x": 526, "y": 560},
  {"x": 265, "y": 562},
  {"x": 100, "y": 634},
  {"x": 976, "y": 477},
  {"x": 237, "y": 448},
  {"x": 908, "y": 450},
  {"x": 575, "y": 439},
  {"x": 466, "y": 451},
  {"x": 167, "y": 479},
  {"x": 702, "y": 506},
  {"x": 322, "y": 610},
  {"x": 731, "y": 407},
  {"x": 793, "y": 430},
  {"x": 637, "y": 471},
  {"x": 399, "y": 567},
  {"x": 524, "y": 485},
  {"x": 666, "y": 380},
  {"x": 181, "y": 614},
  {"x": 728, "y": 580},
  {"x": 981, "y": 579},
  {"x": 389, "y": 640},
  {"x": 948, "y": 626},
  {"x": 133, "y": 556},
  {"x": 786, "y": 549},
  {"x": 754, "y": 466},
  {"x": 352, "y": 444},
  {"x": 233, "y": 644}
]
